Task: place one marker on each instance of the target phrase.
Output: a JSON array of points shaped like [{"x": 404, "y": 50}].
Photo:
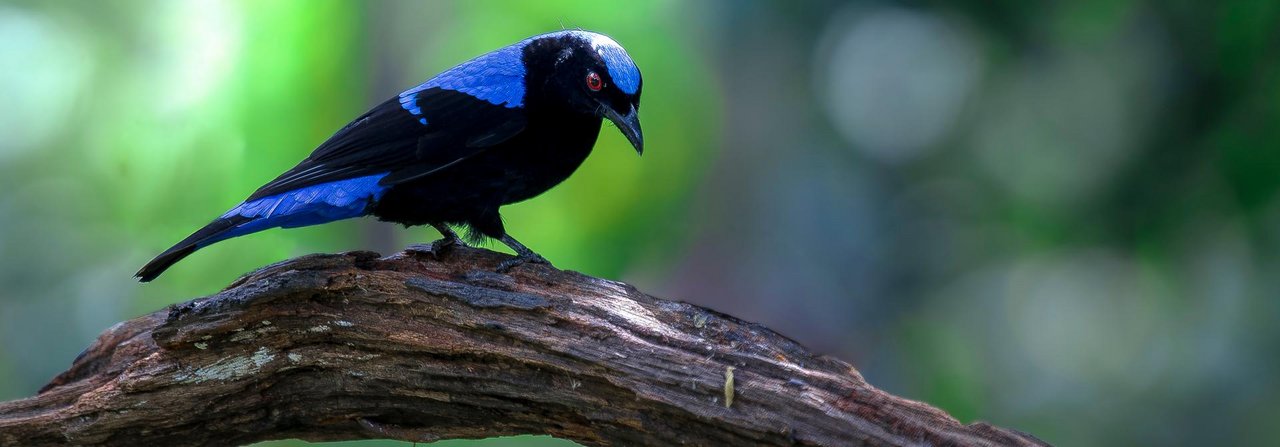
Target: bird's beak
[{"x": 629, "y": 124}]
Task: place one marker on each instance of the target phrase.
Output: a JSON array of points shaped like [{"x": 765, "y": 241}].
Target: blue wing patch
[
  {"x": 316, "y": 204},
  {"x": 496, "y": 77}
]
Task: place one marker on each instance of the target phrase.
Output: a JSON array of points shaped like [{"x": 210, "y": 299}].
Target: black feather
[{"x": 187, "y": 246}]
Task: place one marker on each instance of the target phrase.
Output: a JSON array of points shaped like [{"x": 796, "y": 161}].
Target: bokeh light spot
[{"x": 894, "y": 80}]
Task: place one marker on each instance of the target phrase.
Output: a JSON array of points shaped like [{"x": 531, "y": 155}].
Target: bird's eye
[{"x": 594, "y": 82}]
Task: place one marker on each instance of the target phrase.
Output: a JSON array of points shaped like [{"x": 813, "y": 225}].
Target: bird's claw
[
  {"x": 438, "y": 246},
  {"x": 517, "y": 261},
  {"x": 446, "y": 244}
]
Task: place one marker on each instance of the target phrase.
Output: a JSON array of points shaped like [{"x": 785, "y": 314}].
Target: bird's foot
[
  {"x": 523, "y": 255},
  {"x": 517, "y": 261},
  {"x": 442, "y": 245},
  {"x": 439, "y": 246}
]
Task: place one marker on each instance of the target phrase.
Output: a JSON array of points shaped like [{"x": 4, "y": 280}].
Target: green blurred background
[{"x": 1061, "y": 218}]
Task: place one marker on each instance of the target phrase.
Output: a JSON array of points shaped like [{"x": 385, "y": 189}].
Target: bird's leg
[
  {"x": 523, "y": 255},
  {"x": 449, "y": 240}
]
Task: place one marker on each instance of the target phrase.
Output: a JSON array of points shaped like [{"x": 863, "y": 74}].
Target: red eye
[{"x": 594, "y": 82}]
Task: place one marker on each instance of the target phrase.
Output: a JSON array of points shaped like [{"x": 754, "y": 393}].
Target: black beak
[{"x": 629, "y": 124}]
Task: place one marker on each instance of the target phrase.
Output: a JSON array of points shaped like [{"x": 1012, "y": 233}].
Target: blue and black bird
[{"x": 498, "y": 129}]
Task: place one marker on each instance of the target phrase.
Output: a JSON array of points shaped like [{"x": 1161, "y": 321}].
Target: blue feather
[
  {"x": 496, "y": 77},
  {"x": 622, "y": 69},
  {"x": 316, "y": 204}
]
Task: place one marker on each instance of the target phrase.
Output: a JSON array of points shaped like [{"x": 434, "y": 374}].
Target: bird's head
[{"x": 590, "y": 73}]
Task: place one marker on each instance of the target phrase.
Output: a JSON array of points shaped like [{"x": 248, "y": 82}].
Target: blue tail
[{"x": 312, "y": 205}]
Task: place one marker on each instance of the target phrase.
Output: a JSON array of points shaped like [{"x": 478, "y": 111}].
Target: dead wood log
[{"x": 421, "y": 346}]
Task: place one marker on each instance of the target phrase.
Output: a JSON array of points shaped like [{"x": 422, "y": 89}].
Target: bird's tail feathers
[
  {"x": 213, "y": 232},
  {"x": 311, "y": 205}
]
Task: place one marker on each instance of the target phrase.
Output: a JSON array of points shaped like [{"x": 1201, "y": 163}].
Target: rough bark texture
[{"x": 419, "y": 347}]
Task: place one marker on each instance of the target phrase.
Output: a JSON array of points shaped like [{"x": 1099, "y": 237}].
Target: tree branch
[{"x": 411, "y": 347}]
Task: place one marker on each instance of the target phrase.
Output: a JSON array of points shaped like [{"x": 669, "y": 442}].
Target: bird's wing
[{"x": 443, "y": 128}]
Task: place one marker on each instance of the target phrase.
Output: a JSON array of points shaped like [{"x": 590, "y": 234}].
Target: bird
[{"x": 498, "y": 129}]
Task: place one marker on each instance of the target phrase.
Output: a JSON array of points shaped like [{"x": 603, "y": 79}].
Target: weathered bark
[{"x": 420, "y": 347}]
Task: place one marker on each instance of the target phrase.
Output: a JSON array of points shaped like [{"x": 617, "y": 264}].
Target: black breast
[{"x": 543, "y": 155}]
